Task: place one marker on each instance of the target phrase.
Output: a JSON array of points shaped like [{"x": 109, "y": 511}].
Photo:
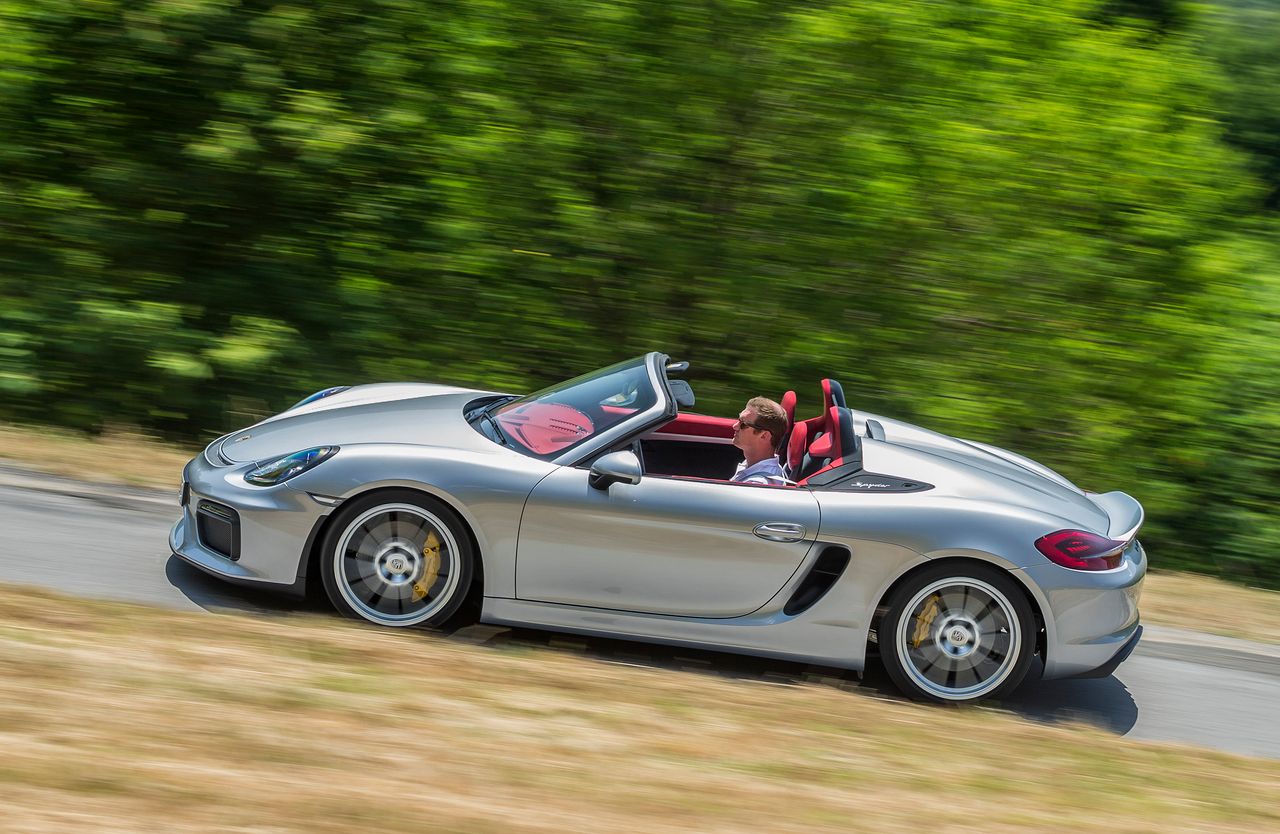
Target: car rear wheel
[
  {"x": 397, "y": 559},
  {"x": 957, "y": 634}
]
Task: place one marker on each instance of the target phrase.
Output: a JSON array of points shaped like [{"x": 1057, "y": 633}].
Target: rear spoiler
[{"x": 1124, "y": 513}]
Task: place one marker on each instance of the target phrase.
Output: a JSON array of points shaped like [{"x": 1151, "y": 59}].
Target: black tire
[
  {"x": 957, "y": 633},
  {"x": 397, "y": 558}
]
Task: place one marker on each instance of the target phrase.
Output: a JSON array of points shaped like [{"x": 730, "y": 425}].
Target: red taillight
[{"x": 1079, "y": 550}]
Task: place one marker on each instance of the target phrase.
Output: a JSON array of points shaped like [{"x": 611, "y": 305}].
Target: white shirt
[{"x": 767, "y": 471}]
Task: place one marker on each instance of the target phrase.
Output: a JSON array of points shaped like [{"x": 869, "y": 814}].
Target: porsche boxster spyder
[{"x": 604, "y": 506}]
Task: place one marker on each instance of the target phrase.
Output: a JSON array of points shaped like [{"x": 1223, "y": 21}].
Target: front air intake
[
  {"x": 218, "y": 527},
  {"x": 824, "y": 573}
]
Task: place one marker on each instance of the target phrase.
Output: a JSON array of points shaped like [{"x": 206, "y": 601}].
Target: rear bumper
[
  {"x": 1120, "y": 657},
  {"x": 1091, "y": 619}
]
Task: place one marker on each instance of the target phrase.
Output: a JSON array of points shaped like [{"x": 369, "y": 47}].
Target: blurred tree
[
  {"x": 1243, "y": 36},
  {"x": 1235, "y": 479},
  {"x": 1166, "y": 16}
]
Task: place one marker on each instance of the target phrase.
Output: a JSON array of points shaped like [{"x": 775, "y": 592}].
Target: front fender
[{"x": 487, "y": 490}]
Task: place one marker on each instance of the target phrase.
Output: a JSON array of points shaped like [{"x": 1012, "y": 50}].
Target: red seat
[
  {"x": 838, "y": 446},
  {"x": 834, "y": 443},
  {"x": 820, "y": 441},
  {"x": 788, "y": 403},
  {"x": 832, "y": 394},
  {"x": 797, "y": 446},
  {"x": 832, "y": 397}
]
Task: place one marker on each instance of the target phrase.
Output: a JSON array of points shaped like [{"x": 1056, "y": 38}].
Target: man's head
[{"x": 760, "y": 427}]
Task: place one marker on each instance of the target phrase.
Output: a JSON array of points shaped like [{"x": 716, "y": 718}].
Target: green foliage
[
  {"x": 1237, "y": 475},
  {"x": 1242, "y": 36},
  {"x": 1164, "y": 16},
  {"x": 1013, "y": 221}
]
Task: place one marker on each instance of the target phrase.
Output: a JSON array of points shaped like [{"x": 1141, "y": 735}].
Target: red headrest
[
  {"x": 796, "y": 447},
  {"x": 788, "y": 404},
  {"x": 832, "y": 394}
]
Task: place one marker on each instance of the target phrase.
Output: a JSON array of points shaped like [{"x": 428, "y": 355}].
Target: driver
[{"x": 759, "y": 430}]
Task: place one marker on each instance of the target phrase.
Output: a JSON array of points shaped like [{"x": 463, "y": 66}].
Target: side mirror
[{"x": 615, "y": 468}]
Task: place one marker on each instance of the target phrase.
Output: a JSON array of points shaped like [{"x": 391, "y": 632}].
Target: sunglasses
[{"x": 743, "y": 425}]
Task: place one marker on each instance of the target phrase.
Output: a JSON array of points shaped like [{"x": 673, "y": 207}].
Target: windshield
[{"x": 554, "y": 420}]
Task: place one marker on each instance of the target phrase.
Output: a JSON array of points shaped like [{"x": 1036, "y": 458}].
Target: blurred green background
[{"x": 1047, "y": 225}]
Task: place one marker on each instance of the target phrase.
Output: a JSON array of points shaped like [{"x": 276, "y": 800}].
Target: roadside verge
[{"x": 115, "y": 717}]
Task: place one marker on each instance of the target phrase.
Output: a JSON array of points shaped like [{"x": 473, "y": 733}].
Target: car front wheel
[
  {"x": 397, "y": 559},
  {"x": 957, "y": 634}
]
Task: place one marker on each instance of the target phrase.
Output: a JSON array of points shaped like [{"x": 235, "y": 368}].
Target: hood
[
  {"x": 977, "y": 471},
  {"x": 412, "y": 413}
]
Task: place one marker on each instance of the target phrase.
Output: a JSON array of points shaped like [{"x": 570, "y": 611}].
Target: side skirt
[{"x": 779, "y": 637}]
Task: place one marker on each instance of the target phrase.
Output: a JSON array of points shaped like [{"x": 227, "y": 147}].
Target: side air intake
[{"x": 824, "y": 573}]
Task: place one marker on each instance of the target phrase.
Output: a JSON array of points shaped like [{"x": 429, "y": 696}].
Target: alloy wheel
[
  {"x": 958, "y": 639},
  {"x": 396, "y": 564}
]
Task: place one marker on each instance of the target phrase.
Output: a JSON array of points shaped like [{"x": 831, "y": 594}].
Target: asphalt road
[{"x": 1179, "y": 686}]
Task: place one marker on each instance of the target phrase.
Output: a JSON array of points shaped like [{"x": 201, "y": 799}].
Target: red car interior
[
  {"x": 545, "y": 428},
  {"x": 699, "y": 425},
  {"x": 809, "y": 447},
  {"x": 834, "y": 448},
  {"x": 797, "y": 446},
  {"x": 788, "y": 403}
]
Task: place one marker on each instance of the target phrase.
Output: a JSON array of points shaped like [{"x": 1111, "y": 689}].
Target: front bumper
[
  {"x": 273, "y": 526},
  {"x": 1091, "y": 619}
]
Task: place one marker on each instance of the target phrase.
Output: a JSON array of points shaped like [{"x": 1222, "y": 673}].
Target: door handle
[{"x": 780, "y": 531}]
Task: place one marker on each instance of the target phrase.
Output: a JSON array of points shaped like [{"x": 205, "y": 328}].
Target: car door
[{"x": 663, "y": 546}]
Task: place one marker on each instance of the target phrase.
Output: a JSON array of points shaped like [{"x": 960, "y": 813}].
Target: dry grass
[
  {"x": 115, "y": 718},
  {"x": 119, "y": 456},
  {"x": 1174, "y": 599},
  {"x": 1201, "y": 603}
]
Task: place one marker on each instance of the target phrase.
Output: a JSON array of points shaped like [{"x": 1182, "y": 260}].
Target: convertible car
[{"x": 603, "y": 506}]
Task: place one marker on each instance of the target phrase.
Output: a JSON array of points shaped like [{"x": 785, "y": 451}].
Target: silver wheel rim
[
  {"x": 959, "y": 638},
  {"x": 396, "y": 564}
]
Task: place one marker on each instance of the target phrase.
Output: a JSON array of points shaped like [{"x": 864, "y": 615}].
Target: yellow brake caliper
[
  {"x": 430, "y": 566},
  {"x": 924, "y": 621}
]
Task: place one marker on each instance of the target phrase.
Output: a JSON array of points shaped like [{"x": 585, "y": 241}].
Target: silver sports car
[{"x": 602, "y": 506}]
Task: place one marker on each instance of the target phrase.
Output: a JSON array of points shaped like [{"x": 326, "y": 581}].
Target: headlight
[
  {"x": 282, "y": 469},
  {"x": 319, "y": 395}
]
